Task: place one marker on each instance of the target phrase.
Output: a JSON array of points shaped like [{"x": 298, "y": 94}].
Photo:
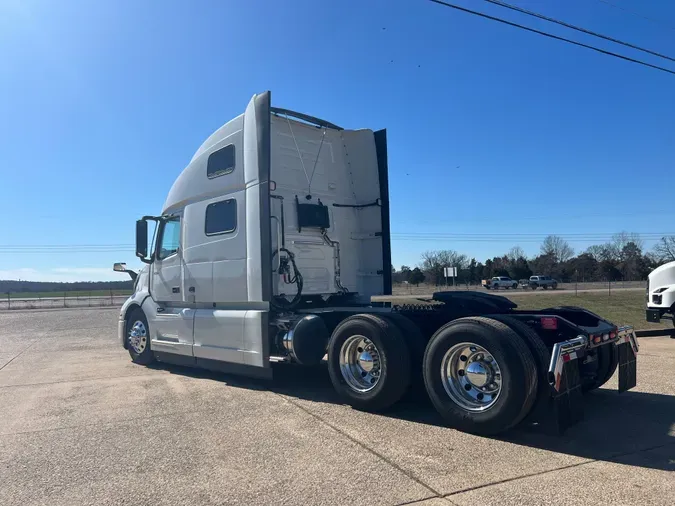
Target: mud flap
[
  {"x": 628, "y": 349},
  {"x": 566, "y": 402}
]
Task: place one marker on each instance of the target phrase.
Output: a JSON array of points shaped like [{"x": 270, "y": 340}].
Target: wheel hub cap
[
  {"x": 360, "y": 363},
  {"x": 138, "y": 337},
  {"x": 477, "y": 373},
  {"x": 471, "y": 376}
]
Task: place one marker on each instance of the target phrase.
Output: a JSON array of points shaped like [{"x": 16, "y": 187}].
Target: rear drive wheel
[
  {"x": 514, "y": 286},
  {"x": 416, "y": 345},
  {"x": 480, "y": 375},
  {"x": 138, "y": 338},
  {"x": 608, "y": 360},
  {"x": 540, "y": 353},
  {"x": 368, "y": 362},
  {"x": 554, "y": 286}
]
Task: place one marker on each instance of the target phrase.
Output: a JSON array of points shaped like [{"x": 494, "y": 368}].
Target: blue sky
[{"x": 492, "y": 130}]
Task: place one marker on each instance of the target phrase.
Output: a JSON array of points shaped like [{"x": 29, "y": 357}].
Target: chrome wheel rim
[
  {"x": 138, "y": 337},
  {"x": 360, "y": 363},
  {"x": 471, "y": 377}
]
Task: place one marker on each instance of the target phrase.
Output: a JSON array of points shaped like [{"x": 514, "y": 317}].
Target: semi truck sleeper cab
[{"x": 272, "y": 242}]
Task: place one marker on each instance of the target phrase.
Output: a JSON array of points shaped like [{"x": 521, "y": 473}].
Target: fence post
[
  {"x": 111, "y": 298},
  {"x": 64, "y": 299},
  {"x": 9, "y": 301},
  {"x": 609, "y": 287}
]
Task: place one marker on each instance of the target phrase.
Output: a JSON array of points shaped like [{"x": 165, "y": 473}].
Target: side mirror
[
  {"x": 120, "y": 267},
  {"x": 142, "y": 239}
]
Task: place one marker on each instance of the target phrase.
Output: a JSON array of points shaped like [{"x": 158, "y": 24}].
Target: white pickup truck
[{"x": 500, "y": 282}]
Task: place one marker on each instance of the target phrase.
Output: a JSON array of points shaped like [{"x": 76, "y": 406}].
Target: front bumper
[{"x": 120, "y": 332}]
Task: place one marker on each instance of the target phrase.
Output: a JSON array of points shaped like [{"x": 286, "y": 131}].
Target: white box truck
[
  {"x": 272, "y": 242},
  {"x": 661, "y": 293}
]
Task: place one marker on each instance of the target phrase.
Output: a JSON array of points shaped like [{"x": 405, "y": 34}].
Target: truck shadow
[{"x": 616, "y": 427}]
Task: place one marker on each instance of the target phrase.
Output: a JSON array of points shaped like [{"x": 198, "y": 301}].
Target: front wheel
[
  {"x": 368, "y": 362},
  {"x": 515, "y": 285},
  {"x": 554, "y": 286},
  {"x": 480, "y": 375},
  {"x": 138, "y": 338}
]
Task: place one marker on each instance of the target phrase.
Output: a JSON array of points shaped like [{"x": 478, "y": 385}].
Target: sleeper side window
[
  {"x": 220, "y": 162},
  {"x": 221, "y": 217}
]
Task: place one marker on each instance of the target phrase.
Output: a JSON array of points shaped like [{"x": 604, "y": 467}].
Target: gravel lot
[{"x": 81, "y": 424}]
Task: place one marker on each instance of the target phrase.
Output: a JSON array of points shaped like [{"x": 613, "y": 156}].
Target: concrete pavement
[{"x": 81, "y": 424}]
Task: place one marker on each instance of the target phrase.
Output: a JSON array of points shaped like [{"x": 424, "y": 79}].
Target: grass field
[
  {"x": 621, "y": 308},
  {"x": 74, "y": 293}
]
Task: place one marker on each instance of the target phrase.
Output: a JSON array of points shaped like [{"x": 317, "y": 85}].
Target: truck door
[{"x": 172, "y": 324}]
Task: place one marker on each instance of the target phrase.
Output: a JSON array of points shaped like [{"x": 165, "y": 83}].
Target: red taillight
[
  {"x": 596, "y": 339},
  {"x": 612, "y": 335},
  {"x": 549, "y": 323}
]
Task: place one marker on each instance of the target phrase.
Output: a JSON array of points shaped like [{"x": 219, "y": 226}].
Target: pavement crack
[
  {"x": 17, "y": 385},
  {"x": 612, "y": 458},
  {"x": 20, "y": 353},
  {"x": 104, "y": 424},
  {"x": 364, "y": 446}
]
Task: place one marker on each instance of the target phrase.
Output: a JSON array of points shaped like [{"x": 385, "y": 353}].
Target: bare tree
[
  {"x": 616, "y": 247},
  {"x": 433, "y": 263},
  {"x": 665, "y": 249},
  {"x": 515, "y": 253},
  {"x": 557, "y": 248}
]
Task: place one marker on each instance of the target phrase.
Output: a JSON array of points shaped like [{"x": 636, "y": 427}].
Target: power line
[
  {"x": 637, "y": 14},
  {"x": 551, "y": 36},
  {"x": 577, "y": 28}
]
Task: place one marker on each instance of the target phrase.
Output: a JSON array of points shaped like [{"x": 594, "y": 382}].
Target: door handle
[{"x": 175, "y": 289}]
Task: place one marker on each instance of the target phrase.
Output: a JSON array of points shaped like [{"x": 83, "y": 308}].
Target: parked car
[
  {"x": 524, "y": 283},
  {"x": 500, "y": 282},
  {"x": 544, "y": 282}
]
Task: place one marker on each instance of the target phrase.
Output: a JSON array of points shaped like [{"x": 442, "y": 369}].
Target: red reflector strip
[{"x": 549, "y": 323}]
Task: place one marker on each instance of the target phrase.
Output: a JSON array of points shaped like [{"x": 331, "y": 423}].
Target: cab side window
[
  {"x": 221, "y": 217},
  {"x": 170, "y": 238}
]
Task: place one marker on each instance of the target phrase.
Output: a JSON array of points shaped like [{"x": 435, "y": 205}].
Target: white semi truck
[
  {"x": 661, "y": 293},
  {"x": 269, "y": 247}
]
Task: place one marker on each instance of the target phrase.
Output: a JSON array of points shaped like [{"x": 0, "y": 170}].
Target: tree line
[
  {"x": 621, "y": 259},
  {"x": 10, "y": 286}
]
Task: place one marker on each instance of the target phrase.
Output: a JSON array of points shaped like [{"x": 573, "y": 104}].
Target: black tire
[
  {"x": 540, "y": 353},
  {"x": 545, "y": 287},
  {"x": 146, "y": 356},
  {"x": 608, "y": 360},
  {"x": 554, "y": 286},
  {"x": 514, "y": 286},
  {"x": 487, "y": 287},
  {"x": 534, "y": 287},
  {"x": 416, "y": 345},
  {"x": 519, "y": 375},
  {"x": 394, "y": 378}
]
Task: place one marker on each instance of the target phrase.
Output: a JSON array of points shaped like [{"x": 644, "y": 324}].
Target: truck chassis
[{"x": 485, "y": 365}]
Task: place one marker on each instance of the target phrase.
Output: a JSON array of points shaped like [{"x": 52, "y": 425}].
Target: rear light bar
[{"x": 606, "y": 337}]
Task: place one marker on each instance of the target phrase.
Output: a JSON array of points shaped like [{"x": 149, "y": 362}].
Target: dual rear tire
[{"x": 481, "y": 374}]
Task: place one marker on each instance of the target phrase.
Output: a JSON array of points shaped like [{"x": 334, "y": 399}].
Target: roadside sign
[{"x": 450, "y": 272}]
